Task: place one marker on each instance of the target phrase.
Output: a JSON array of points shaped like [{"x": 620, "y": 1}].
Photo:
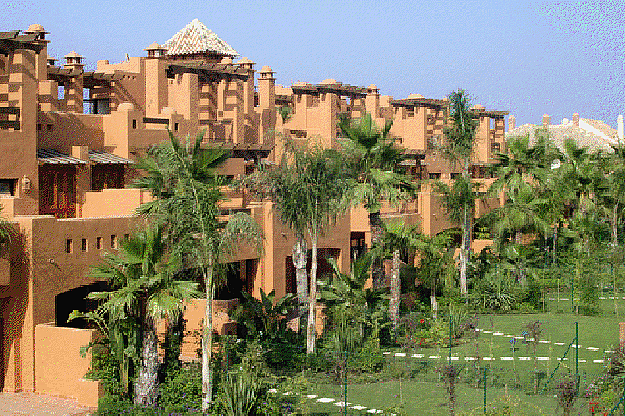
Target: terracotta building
[{"x": 69, "y": 139}]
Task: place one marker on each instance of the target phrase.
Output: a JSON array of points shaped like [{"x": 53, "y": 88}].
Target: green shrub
[{"x": 182, "y": 390}]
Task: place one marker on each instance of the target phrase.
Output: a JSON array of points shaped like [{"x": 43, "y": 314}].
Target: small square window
[
  {"x": 49, "y": 126},
  {"x": 176, "y": 126},
  {"x": 98, "y": 243},
  {"x": 83, "y": 244},
  {"x": 69, "y": 246},
  {"x": 39, "y": 127},
  {"x": 134, "y": 124},
  {"x": 113, "y": 241}
]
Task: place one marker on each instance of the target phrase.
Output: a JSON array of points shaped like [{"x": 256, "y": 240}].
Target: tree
[
  {"x": 458, "y": 149},
  {"x": 306, "y": 188},
  {"x": 373, "y": 158},
  {"x": 187, "y": 193},
  {"x": 144, "y": 291}
]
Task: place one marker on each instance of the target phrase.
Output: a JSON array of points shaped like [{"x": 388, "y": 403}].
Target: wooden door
[{"x": 57, "y": 190}]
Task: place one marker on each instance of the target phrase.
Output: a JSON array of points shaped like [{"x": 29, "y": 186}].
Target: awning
[
  {"x": 104, "y": 158},
  {"x": 54, "y": 157}
]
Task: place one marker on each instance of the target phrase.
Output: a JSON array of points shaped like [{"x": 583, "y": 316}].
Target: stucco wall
[{"x": 61, "y": 368}]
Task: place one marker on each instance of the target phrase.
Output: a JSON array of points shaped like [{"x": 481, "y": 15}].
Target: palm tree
[
  {"x": 306, "y": 188},
  {"x": 186, "y": 188},
  {"x": 373, "y": 159},
  {"x": 145, "y": 291},
  {"x": 458, "y": 149}
]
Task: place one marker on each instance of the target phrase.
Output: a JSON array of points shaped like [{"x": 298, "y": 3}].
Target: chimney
[
  {"x": 546, "y": 120},
  {"x": 576, "y": 119},
  {"x": 619, "y": 127},
  {"x": 511, "y": 122}
]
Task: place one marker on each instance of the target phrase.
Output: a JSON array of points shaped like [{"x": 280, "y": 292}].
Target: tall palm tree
[
  {"x": 306, "y": 188},
  {"x": 186, "y": 189},
  {"x": 458, "y": 149},
  {"x": 373, "y": 159},
  {"x": 145, "y": 291}
]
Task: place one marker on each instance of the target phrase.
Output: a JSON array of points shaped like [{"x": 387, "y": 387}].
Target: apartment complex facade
[{"x": 69, "y": 141}]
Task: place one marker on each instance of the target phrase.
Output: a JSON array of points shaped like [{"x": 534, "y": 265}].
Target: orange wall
[{"x": 60, "y": 366}]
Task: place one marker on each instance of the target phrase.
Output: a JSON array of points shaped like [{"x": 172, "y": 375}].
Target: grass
[{"x": 424, "y": 394}]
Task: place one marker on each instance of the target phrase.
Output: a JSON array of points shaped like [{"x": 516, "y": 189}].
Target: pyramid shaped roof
[{"x": 197, "y": 38}]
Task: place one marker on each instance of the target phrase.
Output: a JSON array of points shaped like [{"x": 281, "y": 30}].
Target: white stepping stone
[
  {"x": 542, "y": 341},
  {"x": 453, "y": 358},
  {"x": 341, "y": 404},
  {"x": 286, "y": 394},
  {"x": 488, "y": 359},
  {"x": 325, "y": 400},
  {"x": 376, "y": 411},
  {"x": 564, "y": 298},
  {"x": 598, "y": 361},
  {"x": 565, "y": 359},
  {"x": 609, "y": 352},
  {"x": 470, "y": 358},
  {"x": 497, "y": 333},
  {"x": 488, "y": 332},
  {"x": 434, "y": 357},
  {"x": 417, "y": 355},
  {"x": 542, "y": 358},
  {"x": 592, "y": 348},
  {"x": 559, "y": 343},
  {"x": 400, "y": 354},
  {"x": 272, "y": 391},
  {"x": 582, "y": 361},
  {"x": 311, "y": 396},
  {"x": 576, "y": 346},
  {"x": 525, "y": 358},
  {"x": 506, "y": 358},
  {"x": 358, "y": 407},
  {"x": 519, "y": 338},
  {"x": 386, "y": 352}
]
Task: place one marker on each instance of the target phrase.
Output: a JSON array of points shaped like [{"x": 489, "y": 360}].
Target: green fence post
[
  {"x": 484, "y": 390},
  {"x": 577, "y": 357},
  {"x": 345, "y": 388},
  {"x": 450, "y": 339}
]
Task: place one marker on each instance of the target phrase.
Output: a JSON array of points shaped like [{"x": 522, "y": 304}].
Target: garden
[{"x": 528, "y": 326}]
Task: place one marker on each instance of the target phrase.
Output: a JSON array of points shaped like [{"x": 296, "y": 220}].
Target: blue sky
[{"x": 529, "y": 59}]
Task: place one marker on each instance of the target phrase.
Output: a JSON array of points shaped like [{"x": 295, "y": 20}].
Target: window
[
  {"x": 49, "y": 127},
  {"x": 83, "y": 245},
  {"x": 98, "y": 243},
  {"x": 126, "y": 236},
  {"x": 69, "y": 246},
  {"x": 434, "y": 175},
  {"x": 176, "y": 126},
  {"x": 454, "y": 175},
  {"x": 134, "y": 124},
  {"x": 113, "y": 241},
  {"x": 7, "y": 187}
]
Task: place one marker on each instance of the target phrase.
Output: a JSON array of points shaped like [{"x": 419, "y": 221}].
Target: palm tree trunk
[
  {"x": 395, "y": 291},
  {"x": 614, "y": 221},
  {"x": 377, "y": 229},
  {"x": 464, "y": 252},
  {"x": 300, "y": 258},
  {"x": 207, "y": 341},
  {"x": 311, "y": 332},
  {"x": 146, "y": 387}
]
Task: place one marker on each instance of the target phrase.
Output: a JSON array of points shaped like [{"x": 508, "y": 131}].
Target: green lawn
[
  {"x": 423, "y": 393},
  {"x": 429, "y": 398}
]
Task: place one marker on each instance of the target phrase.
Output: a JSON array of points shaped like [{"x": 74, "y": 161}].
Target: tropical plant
[
  {"x": 306, "y": 188},
  {"x": 186, "y": 190},
  {"x": 460, "y": 197},
  {"x": 144, "y": 291},
  {"x": 354, "y": 312},
  {"x": 265, "y": 321},
  {"x": 373, "y": 158}
]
